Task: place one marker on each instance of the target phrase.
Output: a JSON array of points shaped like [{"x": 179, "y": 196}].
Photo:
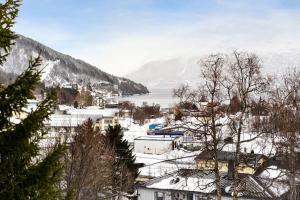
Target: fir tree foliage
[
  {"x": 26, "y": 171},
  {"x": 8, "y": 13},
  {"x": 122, "y": 148},
  {"x": 123, "y": 157}
]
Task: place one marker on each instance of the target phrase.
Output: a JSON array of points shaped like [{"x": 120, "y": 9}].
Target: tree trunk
[
  {"x": 218, "y": 179},
  {"x": 292, "y": 174},
  {"x": 235, "y": 180}
]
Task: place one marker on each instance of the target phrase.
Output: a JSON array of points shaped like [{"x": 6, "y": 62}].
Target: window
[
  {"x": 179, "y": 196},
  {"x": 159, "y": 196},
  {"x": 108, "y": 121},
  {"x": 203, "y": 197},
  {"x": 190, "y": 196}
]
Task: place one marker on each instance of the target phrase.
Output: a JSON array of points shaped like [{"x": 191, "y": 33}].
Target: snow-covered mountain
[
  {"x": 62, "y": 69},
  {"x": 163, "y": 74}
]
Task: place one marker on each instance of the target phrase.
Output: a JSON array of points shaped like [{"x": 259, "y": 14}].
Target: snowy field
[
  {"x": 157, "y": 165},
  {"x": 133, "y": 130}
]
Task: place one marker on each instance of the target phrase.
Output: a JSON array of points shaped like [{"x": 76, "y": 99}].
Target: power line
[{"x": 168, "y": 160}]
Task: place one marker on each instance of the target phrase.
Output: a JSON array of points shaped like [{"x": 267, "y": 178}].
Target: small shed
[{"x": 156, "y": 144}]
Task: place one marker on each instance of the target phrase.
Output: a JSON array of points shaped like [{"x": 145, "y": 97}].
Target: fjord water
[{"x": 163, "y": 97}]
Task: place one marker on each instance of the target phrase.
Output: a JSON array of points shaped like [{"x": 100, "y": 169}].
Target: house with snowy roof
[
  {"x": 105, "y": 117},
  {"x": 249, "y": 163},
  {"x": 72, "y": 118},
  {"x": 189, "y": 184}
]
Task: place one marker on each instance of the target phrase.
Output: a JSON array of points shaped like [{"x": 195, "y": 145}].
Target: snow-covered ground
[
  {"x": 133, "y": 130},
  {"x": 158, "y": 165}
]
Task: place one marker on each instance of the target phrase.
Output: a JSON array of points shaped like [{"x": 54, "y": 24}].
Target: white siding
[
  {"x": 149, "y": 194},
  {"x": 145, "y": 194}
]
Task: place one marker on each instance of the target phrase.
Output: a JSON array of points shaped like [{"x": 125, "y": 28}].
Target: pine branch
[
  {"x": 8, "y": 13},
  {"x": 14, "y": 97}
]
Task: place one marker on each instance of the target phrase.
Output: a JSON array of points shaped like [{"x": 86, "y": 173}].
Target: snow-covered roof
[
  {"x": 157, "y": 138},
  {"x": 277, "y": 187},
  {"x": 276, "y": 179},
  {"x": 194, "y": 184},
  {"x": 181, "y": 181},
  {"x": 64, "y": 107},
  {"x": 249, "y": 158},
  {"x": 32, "y": 101},
  {"x": 58, "y": 120},
  {"x": 107, "y": 112},
  {"x": 31, "y": 105},
  {"x": 203, "y": 182},
  {"x": 273, "y": 172}
]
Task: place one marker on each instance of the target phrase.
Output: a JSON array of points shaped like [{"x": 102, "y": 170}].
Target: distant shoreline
[{"x": 163, "y": 97}]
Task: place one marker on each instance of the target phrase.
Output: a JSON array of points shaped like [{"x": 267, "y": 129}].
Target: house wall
[
  {"x": 223, "y": 166},
  {"x": 103, "y": 123},
  {"x": 209, "y": 164},
  {"x": 145, "y": 194},
  {"x": 150, "y": 194}
]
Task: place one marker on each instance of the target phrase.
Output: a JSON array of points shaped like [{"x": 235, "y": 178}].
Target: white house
[
  {"x": 188, "y": 184},
  {"x": 104, "y": 117},
  {"x": 156, "y": 144},
  {"x": 72, "y": 118}
]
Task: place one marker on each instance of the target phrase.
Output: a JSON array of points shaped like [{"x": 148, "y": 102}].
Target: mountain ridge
[
  {"x": 61, "y": 69},
  {"x": 173, "y": 72}
]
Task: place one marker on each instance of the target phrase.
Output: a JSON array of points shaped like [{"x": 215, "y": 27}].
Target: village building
[
  {"x": 189, "y": 184},
  {"x": 72, "y": 86},
  {"x": 189, "y": 140},
  {"x": 102, "y": 117},
  {"x": 64, "y": 123},
  {"x": 249, "y": 163}
]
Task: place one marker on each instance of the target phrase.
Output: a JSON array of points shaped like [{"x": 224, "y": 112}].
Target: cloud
[
  {"x": 52, "y": 34},
  {"x": 275, "y": 32},
  {"x": 128, "y": 34}
]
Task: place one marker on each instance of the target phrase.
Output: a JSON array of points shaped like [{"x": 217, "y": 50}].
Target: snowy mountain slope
[
  {"x": 171, "y": 73},
  {"x": 167, "y": 73},
  {"x": 60, "y": 69}
]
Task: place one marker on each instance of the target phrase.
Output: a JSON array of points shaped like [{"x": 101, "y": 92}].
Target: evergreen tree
[
  {"x": 8, "y": 13},
  {"x": 124, "y": 161},
  {"x": 26, "y": 172}
]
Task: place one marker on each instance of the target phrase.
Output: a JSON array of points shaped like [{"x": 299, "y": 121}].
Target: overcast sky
[{"x": 121, "y": 35}]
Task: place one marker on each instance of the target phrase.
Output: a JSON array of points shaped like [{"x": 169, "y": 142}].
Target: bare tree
[
  {"x": 206, "y": 121},
  {"x": 244, "y": 81},
  {"x": 84, "y": 98},
  {"x": 285, "y": 126},
  {"x": 88, "y": 163},
  {"x": 230, "y": 84}
]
